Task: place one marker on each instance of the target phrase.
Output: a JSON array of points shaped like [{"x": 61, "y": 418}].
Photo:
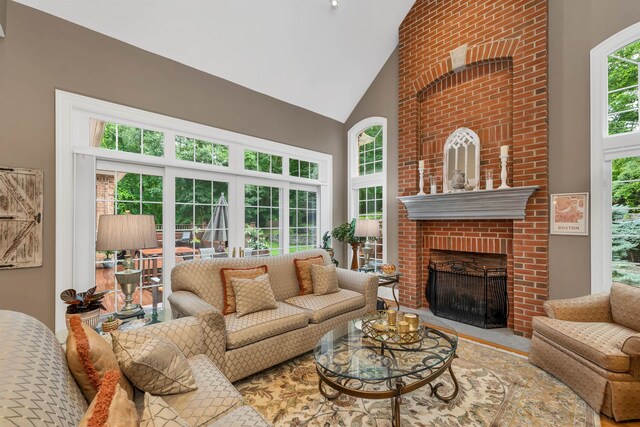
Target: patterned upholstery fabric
[
  {"x": 632, "y": 346},
  {"x": 153, "y": 364},
  {"x": 625, "y": 305},
  {"x": 82, "y": 342},
  {"x": 245, "y": 416},
  {"x": 600, "y": 343},
  {"x": 253, "y": 295},
  {"x": 112, "y": 406},
  {"x": 214, "y": 397},
  {"x": 158, "y": 413},
  {"x": 202, "y": 277},
  {"x": 325, "y": 279},
  {"x": 323, "y": 307},
  {"x": 227, "y": 275},
  {"x": 203, "y": 334},
  {"x": 263, "y": 324},
  {"x": 590, "y": 308},
  {"x": 36, "y": 387},
  {"x": 365, "y": 284},
  {"x": 303, "y": 272}
]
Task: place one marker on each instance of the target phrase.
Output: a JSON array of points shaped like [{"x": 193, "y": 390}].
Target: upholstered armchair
[{"x": 592, "y": 344}]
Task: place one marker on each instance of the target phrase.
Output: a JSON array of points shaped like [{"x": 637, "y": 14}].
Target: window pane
[
  {"x": 203, "y": 191},
  {"x": 185, "y": 148},
  {"x": 151, "y": 188},
  {"x": 153, "y": 143},
  {"x": 370, "y": 150},
  {"x": 623, "y": 100},
  {"x": 129, "y": 139},
  {"x": 622, "y": 74},
  {"x": 276, "y": 164},
  {"x": 370, "y": 207},
  {"x": 262, "y": 223},
  {"x": 204, "y": 152},
  {"x": 303, "y": 221},
  {"x": 625, "y": 226},
  {"x": 128, "y": 187},
  {"x": 623, "y": 122},
  {"x": 250, "y": 160}
]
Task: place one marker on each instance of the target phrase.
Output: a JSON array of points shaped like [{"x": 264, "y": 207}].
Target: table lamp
[
  {"x": 369, "y": 229},
  {"x": 127, "y": 233}
]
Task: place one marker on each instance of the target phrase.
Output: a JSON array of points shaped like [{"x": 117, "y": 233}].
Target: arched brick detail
[{"x": 487, "y": 52}]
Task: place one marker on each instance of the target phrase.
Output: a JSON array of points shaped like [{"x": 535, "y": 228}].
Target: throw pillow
[
  {"x": 253, "y": 295},
  {"x": 111, "y": 407},
  {"x": 229, "y": 303},
  {"x": 153, "y": 364},
  {"x": 89, "y": 357},
  {"x": 303, "y": 271},
  {"x": 158, "y": 413},
  {"x": 325, "y": 279}
]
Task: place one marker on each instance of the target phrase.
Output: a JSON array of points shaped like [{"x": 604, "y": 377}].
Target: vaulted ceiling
[{"x": 303, "y": 52}]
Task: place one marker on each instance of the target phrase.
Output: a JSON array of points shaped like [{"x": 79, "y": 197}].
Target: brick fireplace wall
[{"x": 480, "y": 64}]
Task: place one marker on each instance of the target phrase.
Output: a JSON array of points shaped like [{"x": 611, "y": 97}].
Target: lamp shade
[
  {"x": 367, "y": 228},
  {"x": 123, "y": 232}
]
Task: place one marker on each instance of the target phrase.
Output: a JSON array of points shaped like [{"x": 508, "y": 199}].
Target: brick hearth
[{"x": 481, "y": 65}]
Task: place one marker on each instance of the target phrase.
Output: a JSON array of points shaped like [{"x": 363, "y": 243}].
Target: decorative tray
[{"x": 376, "y": 326}]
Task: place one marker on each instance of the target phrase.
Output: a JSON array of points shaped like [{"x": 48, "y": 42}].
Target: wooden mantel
[{"x": 507, "y": 203}]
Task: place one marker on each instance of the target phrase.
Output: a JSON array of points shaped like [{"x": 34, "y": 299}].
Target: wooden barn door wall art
[{"x": 20, "y": 218}]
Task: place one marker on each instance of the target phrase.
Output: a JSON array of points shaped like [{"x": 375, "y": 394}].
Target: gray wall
[
  {"x": 575, "y": 27},
  {"x": 42, "y": 53},
  {"x": 381, "y": 99}
]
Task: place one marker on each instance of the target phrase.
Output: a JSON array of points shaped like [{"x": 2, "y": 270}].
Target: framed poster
[
  {"x": 20, "y": 218},
  {"x": 570, "y": 214}
]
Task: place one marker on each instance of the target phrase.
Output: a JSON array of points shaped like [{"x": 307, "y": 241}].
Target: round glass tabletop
[{"x": 349, "y": 353}]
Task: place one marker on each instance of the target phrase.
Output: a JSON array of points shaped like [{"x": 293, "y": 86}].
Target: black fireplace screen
[{"x": 462, "y": 292}]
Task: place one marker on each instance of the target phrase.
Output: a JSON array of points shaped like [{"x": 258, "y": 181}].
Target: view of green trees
[
  {"x": 625, "y": 173},
  {"x": 196, "y": 150},
  {"x": 262, "y": 162},
  {"x": 132, "y": 140},
  {"x": 370, "y": 154},
  {"x": 623, "y": 89}
]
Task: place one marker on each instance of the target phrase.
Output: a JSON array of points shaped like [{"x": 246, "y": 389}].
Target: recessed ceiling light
[{"x": 334, "y": 4}]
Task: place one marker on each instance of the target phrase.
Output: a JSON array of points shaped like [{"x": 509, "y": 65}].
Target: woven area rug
[{"x": 497, "y": 388}]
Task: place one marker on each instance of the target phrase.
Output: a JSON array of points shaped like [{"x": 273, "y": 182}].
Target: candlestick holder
[
  {"x": 432, "y": 185},
  {"x": 421, "y": 183},
  {"x": 503, "y": 172}
]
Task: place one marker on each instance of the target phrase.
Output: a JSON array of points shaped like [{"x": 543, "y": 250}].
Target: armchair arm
[
  {"x": 364, "y": 283},
  {"x": 590, "y": 308},
  {"x": 631, "y": 346},
  {"x": 185, "y": 303}
]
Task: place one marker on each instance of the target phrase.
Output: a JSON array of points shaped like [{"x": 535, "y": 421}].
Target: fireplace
[{"x": 460, "y": 291}]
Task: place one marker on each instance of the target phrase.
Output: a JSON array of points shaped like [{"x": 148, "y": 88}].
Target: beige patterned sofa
[
  {"x": 37, "y": 389},
  {"x": 592, "y": 344},
  {"x": 248, "y": 344}
]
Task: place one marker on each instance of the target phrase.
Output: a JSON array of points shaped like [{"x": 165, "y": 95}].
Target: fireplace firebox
[{"x": 463, "y": 292}]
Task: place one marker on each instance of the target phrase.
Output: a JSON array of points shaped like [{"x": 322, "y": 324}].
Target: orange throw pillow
[
  {"x": 89, "y": 357},
  {"x": 303, "y": 271},
  {"x": 227, "y": 274},
  {"x": 111, "y": 407}
]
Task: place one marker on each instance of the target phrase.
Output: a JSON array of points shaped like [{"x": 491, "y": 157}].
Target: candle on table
[
  {"x": 403, "y": 327},
  {"x": 504, "y": 150},
  {"x": 421, "y": 164},
  {"x": 391, "y": 317},
  {"x": 412, "y": 320}
]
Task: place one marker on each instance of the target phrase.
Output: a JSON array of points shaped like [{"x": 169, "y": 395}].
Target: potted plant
[
  {"x": 255, "y": 241},
  {"x": 344, "y": 233},
  {"x": 87, "y": 305},
  {"x": 108, "y": 261},
  {"x": 111, "y": 323}
]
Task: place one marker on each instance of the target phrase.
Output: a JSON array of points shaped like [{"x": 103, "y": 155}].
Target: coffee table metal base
[{"x": 396, "y": 388}]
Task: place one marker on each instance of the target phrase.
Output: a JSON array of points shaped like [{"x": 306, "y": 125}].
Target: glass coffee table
[{"x": 369, "y": 366}]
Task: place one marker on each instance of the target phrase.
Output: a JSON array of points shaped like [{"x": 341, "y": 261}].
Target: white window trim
[
  {"x": 355, "y": 181},
  {"x": 72, "y": 130},
  {"x": 604, "y": 149}
]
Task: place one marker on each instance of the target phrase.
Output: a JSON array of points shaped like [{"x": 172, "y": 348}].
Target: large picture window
[
  {"x": 213, "y": 193},
  {"x": 367, "y": 178},
  {"x": 615, "y": 161}
]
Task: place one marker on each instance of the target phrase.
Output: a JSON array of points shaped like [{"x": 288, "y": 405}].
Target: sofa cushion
[
  {"x": 226, "y": 274},
  {"x": 89, "y": 357},
  {"x": 153, "y": 364},
  {"x": 325, "y": 279},
  {"x": 257, "y": 326},
  {"x": 625, "y": 305},
  {"x": 244, "y": 416},
  {"x": 253, "y": 295},
  {"x": 111, "y": 406},
  {"x": 214, "y": 397},
  {"x": 598, "y": 342},
  {"x": 303, "y": 272},
  {"x": 323, "y": 307},
  {"x": 158, "y": 413}
]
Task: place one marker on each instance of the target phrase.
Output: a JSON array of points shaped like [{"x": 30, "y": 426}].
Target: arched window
[
  {"x": 615, "y": 160},
  {"x": 367, "y": 177}
]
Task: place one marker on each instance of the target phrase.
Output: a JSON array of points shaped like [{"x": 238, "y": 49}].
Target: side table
[{"x": 386, "y": 280}]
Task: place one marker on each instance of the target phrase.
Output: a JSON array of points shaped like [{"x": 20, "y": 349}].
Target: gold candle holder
[
  {"x": 403, "y": 327},
  {"x": 391, "y": 317},
  {"x": 413, "y": 320}
]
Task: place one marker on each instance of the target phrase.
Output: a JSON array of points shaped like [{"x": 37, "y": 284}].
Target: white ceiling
[{"x": 302, "y": 52}]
